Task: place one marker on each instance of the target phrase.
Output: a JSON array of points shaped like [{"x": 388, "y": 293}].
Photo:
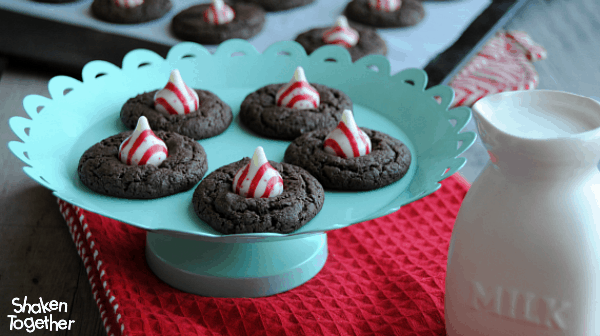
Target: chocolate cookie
[
  {"x": 279, "y": 5},
  {"x": 101, "y": 170},
  {"x": 227, "y": 212},
  {"x": 369, "y": 42},
  {"x": 410, "y": 13},
  {"x": 55, "y": 1},
  {"x": 260, "y": 113},
  {"x": 189, "y": 24},
  {"x": 388, "y": 162},
  {"x": 212, "y": 118},
  {"x": 107, "y": 10}
]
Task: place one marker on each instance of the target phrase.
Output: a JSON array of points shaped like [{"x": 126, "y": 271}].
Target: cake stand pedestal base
[{"x": 236, "y": 269}]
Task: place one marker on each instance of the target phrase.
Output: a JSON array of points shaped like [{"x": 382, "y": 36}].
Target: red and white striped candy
[
  {"x": 176, "y": 97},
  {"x": 385, "y": 5},
  {"x": 142, "y": 147},
  {"x": 347, "y": 140},
  {"x": 341, "y": 34},
  {"x": 298, "y": 93},
  {"x": 128, "y": 3},
  {"x": 219, "y": 13},
  {"x": 258, "y": 179}
]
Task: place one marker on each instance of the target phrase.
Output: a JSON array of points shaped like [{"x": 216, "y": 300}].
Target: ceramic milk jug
[{"x": 524, "y": 256}]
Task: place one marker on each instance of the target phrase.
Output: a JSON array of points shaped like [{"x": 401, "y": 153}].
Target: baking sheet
[{"x": 411, "y": 47}]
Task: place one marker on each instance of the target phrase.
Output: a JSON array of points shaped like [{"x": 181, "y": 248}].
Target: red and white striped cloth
[
  {"x": 298, "y": 93},
  {"x": 219, "y": 13},
  {"x": 385, "y": 5},
  {"x": 128, "y": 3},
  {"x": 341, "y": 34},
  {"x": 504, "y": 64},
  {"x": 258, "y": 179},
  {"x": 176, "y": 97},
  {"x": 347, "y": 140},
  {"x": 143, "y": 147}
]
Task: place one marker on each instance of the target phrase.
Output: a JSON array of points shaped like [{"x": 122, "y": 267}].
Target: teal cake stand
[{"x": 181, "y": 249}]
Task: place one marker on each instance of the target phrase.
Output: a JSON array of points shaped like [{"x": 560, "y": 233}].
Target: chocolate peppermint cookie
[
  {"x": 101, "y": 170},
  {"x": 111, "y": 11},
  {"x": 260, "y": 113},
  {"x": 212, "y": 117},
  {"x": 387, "y": 162},
  {"x": 190, "y": 24},
  {"x": 55, "y": 1},
  {"x": 409, "y": 13},
  {"x": 279, "y": 5},
  {"x": 227, "y": 212},
  {"x": 369, "y": 42}
]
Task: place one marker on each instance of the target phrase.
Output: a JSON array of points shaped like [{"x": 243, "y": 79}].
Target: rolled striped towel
[
  {"x": 258, "y": 179},
  {"x": 219, "y": 13},
  {"x": 341, "y": 34},
  {"x": 298, "y": 93},
  {"x": 504, "y": 64},
  {"x": 176, "y": 97},
  {"x": 347, "y": 140},
  {"x": 385, "y": 5},
  {"x": 143, "y": 147}
]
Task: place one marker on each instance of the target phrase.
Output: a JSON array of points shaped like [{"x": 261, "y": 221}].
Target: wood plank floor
[{"x": 37, "y": 255}]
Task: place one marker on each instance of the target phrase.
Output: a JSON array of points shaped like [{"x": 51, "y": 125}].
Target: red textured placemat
[{"x": 384, "y": 276}]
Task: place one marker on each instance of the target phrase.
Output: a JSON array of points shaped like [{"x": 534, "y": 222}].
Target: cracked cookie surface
[
  {"x": 260, "y": 113},
  {"x": 369, "y": 42},
  {"x": 279, "y": 5},
  {"x": 227, "y": 212},
  {"x": 212, "y": 118},
  {"x": 107, "y": 10},
  {"x": 101, "y": 170},
  {"x": 388, "y": 162},
  {"x": 410, "y": 13},
  {"x": 189, "y": 24}
]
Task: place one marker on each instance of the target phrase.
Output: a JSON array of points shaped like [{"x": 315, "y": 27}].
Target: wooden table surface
[{"x": 37, "y": 255}]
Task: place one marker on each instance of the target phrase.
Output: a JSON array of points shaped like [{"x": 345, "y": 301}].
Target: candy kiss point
[
  {"x": 142, "y": 124},
  {"x": 299, "y": 75},
  {"x": 259, "y": 157}
]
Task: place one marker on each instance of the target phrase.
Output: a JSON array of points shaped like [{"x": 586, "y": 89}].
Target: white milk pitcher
[{"x": 524, "y": 257}]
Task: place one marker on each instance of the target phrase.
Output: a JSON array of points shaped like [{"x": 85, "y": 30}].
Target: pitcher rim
[{"x": 586, "y": 135}]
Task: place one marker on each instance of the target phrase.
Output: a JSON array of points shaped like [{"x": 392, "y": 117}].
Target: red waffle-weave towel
[{"x": 384, "y": 277}]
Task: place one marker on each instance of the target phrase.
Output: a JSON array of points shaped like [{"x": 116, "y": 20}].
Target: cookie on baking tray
[
  {"x": 55, "y": 1},
  {"x": 198, "y": 114},
  {"x": 349, "y": 158},
  {"x": 217, "y": 22},
  {"x": 130, "y": 11},
  {"x": 143, "y": 164},
  {"x": 279, "y": 5},
  {"x": 385, "y": 13},
  {"x": 286, "y": 111},
  {"x": 257, "y": 195},
  {"x": 359, "y": 41}
]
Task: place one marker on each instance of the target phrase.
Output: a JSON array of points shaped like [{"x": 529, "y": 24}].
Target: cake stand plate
[
  {"x": 248, "y": 269},
  {"x": 181, "y": 249}
]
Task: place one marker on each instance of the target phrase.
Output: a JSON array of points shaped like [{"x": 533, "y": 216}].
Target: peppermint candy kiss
[
  {"x": 142, "y": 147},
  {"x": 341, "y": 34},
  {"x": 176, "y": 97},
  {"x": 347, "y": 140},
  {"x": 385, "y": 5},
  {"x": 298, "y": 93},
  {"x": 128, "y": 3},
  {"x": 258, "y": 179},
  {"x": 219, "y": 13}
]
